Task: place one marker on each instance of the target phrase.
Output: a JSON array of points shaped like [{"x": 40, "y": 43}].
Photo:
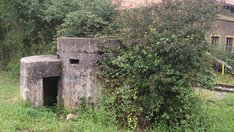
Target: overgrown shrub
[
  {"x": 223, "y": 55},
  {"x": 86, "y": 19},
  {"x": 83, "y": 24},
  {"x": 163, "y": 55}
]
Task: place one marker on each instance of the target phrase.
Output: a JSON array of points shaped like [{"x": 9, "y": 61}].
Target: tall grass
[{"x": 16, "y": 115}]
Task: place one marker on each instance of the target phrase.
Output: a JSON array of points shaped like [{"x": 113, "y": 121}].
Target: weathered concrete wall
[
  {"x": 79, "y": 57},
  {"x": 33, "y": 70}
]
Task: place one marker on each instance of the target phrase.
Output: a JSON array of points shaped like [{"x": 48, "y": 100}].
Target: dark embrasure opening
[
  {"x": 74, "y": 61},
  {"x": 50, "y": 91}
]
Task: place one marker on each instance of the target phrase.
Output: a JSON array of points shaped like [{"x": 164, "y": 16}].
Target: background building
[{"x": 223, "y": 35}]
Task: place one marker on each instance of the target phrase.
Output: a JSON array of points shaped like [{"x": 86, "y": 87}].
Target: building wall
[{"x": 224, "y": 29}]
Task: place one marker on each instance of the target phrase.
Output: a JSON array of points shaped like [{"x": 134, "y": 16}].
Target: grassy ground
[
  {"x": 226, "y": 79},
  {"x": 222, "y": 113},
  {"x": 220, "y": 109},
  {"x": 220, "y": 105},
  {"x": 18, "y": 116}
]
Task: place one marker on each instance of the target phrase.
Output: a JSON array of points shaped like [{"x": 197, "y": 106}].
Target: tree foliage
[
  {"x": 150, "y": 77},
  {"x": 29, "y": 27},
  {"x": 163, "y": 55}
]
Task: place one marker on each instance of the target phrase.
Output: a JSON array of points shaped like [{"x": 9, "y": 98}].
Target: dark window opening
[
  {"x": 229, "y": 43},
  {"x": 214, "y": 40},
  {"x": 74, "y": 61},
  {"x": 50, "y": 91}
]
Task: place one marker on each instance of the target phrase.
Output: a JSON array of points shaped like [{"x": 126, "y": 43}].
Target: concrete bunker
[
  {"x": 79, "y": 57},
  {"x": 40, "y": 79},
  {"x": 66, "y": 78}
]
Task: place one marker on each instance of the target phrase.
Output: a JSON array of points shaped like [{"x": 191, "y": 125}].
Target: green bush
[
  {"x": 223, "y": 55},
  {"x": 83, "y": 24},
  {"x": 162, "y": 56},
  {"x": 29, "y": 27},
  {"x": 81, "y": 18}
]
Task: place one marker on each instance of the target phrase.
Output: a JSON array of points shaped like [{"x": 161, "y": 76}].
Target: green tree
[
  {"x": 30, "y": 26},
  {"x": 163, "y": 55},
  {"x": 91, "y": 19}
]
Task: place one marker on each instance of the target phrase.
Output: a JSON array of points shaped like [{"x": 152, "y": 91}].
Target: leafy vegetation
[
  {"x": 18, "y": 116},
  {"x": 29, "y": 27},
  {"x": 226, "y": 79},
  {"x": 223, "y": 55},
  {"x": 163, "y": 55},
  {"x": 149, "y": 79}
]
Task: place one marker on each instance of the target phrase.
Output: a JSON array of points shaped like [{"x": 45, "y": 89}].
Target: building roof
[
  {"x": 229, "y": 2},
  {"x": 135, "y": 3}
]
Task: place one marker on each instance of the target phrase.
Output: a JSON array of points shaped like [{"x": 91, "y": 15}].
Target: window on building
[
  {"x": 229, "y": 44},
  {"x": 214, "y": 40}
]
